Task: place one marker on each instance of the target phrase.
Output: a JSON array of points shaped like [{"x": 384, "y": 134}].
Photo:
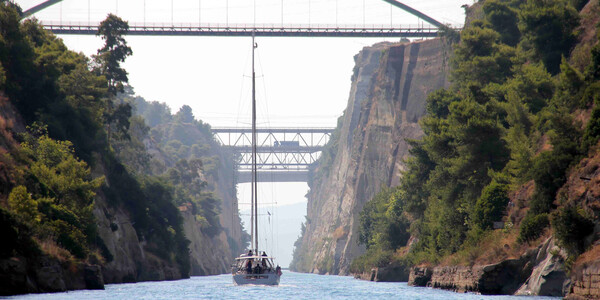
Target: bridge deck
[
  {"x": 268, "y": 30},
  {"x": 274, "y": 176},
  {"x": 273, "y": 130},
  {"x": 280, "y": 149}
]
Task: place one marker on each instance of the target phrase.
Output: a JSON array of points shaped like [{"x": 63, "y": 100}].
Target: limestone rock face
[
  {"x": 548, "y": 277},
  {"x": 586, "y": 282},
  {"x": 14, "y": 278},
  {"x": 503, "y": 278},
  {"x": 385, "y": 274},
  {"x": 387, "y": 98},
  {"x": 92, "y": 275},
  {"x": 208, "y": 256},
  {"x": 43, "y": 274},
  {"x": 123, "y": 244},
  {"x": 539, "y": 271},
  {"x": 419, "y": 276}
]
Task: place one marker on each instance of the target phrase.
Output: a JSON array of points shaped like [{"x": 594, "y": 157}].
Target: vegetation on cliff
[
  {"x": 82, "y": 143},
  {"x": 186, "y": 157},
  {"x": 508, "y": 118}
]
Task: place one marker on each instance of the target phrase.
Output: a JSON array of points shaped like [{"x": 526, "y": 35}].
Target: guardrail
[{"x": 281, "y": 30}]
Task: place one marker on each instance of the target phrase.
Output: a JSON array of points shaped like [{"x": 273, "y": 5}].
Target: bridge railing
[
  {"x": 225, "y": 26},
  {"x": 273, "y": 130},
  {"x": 272, "y": 29}
]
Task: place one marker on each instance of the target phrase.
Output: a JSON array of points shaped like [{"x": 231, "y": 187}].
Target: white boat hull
[{"x": 258, "y": 279}]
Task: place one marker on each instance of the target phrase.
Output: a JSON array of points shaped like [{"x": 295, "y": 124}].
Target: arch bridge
[{"x": 281, "y": 29}]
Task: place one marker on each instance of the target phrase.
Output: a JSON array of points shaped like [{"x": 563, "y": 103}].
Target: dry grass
[
  {"x": 96, "y": 258},
  {"x": 496, "y": 246},
  {"x": 340, "y": 233},
  {"x": 544, "y": 144},
  {"x": 587, "y": 258},
  {"x": 589, "y": 21},
  {"x": 580, "y": 56},
  {"x": 519, "y": 203},
  {"x": 50, "y": 248},
  {"x": 582, "y": 116}
]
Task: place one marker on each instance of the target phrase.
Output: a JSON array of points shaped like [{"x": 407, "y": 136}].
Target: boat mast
[{"x": 254, "y": 189}]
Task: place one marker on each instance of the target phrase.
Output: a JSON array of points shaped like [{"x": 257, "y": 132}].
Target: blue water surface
[{"x": 293, "y": 286}]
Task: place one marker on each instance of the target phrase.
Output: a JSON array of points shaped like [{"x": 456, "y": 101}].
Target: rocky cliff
[
  {"x": 128, "y": 261},
  {"x": 582, "y": 190},
  {"x": 209, "y": 255},
  {"x": 387, "y": 98},
  {"x": 538, "y": 271}
]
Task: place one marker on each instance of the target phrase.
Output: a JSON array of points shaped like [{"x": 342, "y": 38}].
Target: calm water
[{"x": 293, "y": 286}]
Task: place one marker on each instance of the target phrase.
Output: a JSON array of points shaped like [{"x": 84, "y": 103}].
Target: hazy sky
[{"x": 303, "y": 82}]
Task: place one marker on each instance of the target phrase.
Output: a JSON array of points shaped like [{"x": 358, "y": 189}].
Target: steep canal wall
[{"x": 387, "y": 98}]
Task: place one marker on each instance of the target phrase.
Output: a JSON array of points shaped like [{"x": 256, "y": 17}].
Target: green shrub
[
  {"x": 504, "y": 20},
  {"x": 578, "y": 4},
  {"x": 549, "y": 175},
  {"x": 592, "y": 130},
  {"x": 20, "y": 202},
  {"x": 489, "y": 208},
  {"x": 71, "y": 238},
  {"x": 371, "y": 259},
  {"x": 550, "y": 28},
  {"x": 16, "y": 236},
  {"x": 570, "y": 228},
  {"x": 532, "y": 227}
]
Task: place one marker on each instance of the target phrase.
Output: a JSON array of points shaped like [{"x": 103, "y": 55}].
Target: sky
[{"x": 301, "y": 82}]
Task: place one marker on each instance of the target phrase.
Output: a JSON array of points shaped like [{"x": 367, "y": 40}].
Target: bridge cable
[
  {"x": 391, "y": 17},
  {"x": 336, "y": 13},
  {"x": 364, "y": 13}
]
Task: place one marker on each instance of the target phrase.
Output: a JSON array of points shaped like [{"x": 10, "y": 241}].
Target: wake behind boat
[{"x": 253, "y": 267}]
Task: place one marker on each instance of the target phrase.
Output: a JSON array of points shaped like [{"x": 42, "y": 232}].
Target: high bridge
[
  {"x": 283, "y": 154},
  {"x": 426, "y": 27}
]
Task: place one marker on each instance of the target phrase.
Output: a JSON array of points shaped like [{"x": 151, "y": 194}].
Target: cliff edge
[{"x": 387, "y": 98}]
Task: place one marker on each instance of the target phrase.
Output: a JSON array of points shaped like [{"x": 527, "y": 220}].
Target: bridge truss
[{"x": 283, "y": 154}]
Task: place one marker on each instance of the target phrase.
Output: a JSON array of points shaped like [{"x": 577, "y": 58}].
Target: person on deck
[
  {"x": 249, "y": 266},
  {"x": 264, "y": 260}
]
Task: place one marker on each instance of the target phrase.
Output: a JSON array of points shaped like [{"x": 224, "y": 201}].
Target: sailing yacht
[{"x": 255, "y": 267}]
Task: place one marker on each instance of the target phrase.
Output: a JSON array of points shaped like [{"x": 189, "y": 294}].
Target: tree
[
  {"x": 549, "y": 27},
  {"x": 108, "y": 63},
  {"x": 504, "y": 20},
  {"x": 185, "y": 115},
  {"x": 571, "y": 226},
  {"x": 20, "y": 202},
  {"x": 490, "y": 206},
  {"x": 113, "y": 53}
]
